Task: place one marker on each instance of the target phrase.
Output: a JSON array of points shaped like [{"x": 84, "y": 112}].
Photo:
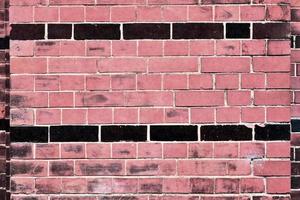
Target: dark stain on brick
[
  {"x": 151, "y": 187},
  {"x": 61, "y": 169},
  {"x": 100, "y": 169},
  {"x": 73, "y": 148},
  {"x": 20, "y": 151},
  {"x": 25, "y": 168},
  {"x": 17, "y": 100},
  {"x": 98, "y": 98},
  {"x": 45, "y": 43},
  {"x": 124, "y": 152},
  {"x": 204, "y": 186},
  {"x": 231, "y": 167},
  {"x": 20, "y": 188},
  {"x": 137, "y": 169},
  {"x": 96, "y": 49},
  {"x": 172, "y": 113}
]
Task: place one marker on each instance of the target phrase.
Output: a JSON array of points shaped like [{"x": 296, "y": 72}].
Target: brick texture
[{"x": 152, "y": 99}]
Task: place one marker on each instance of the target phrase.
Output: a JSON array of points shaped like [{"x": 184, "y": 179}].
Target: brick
[
  {"x": 62, "y": 65},
  {"x": 170, "y": 84},
  {"x": 253, "y": 81},
  {"x": 100, "y": 116},
  {"x": 176, "y": 115},
  {"x": 28, "y": 99},
  {"x": 278, "y": 114},
  {"x": 226, "y": 13},
  {"x": 48, "y": 116},
  {"x": 72, "y": 150},
  {"x": 228, "y": 47},
  {"x": 278, "y": 12},
  {"x": 125, "y": 185},
  {"x": 46, "y": 14},
  {"x": 201, "y": 47},
  {"x": 252, "y": 185},
  {"x": 150, "y": 48},
  {"x": 98, "y": 48},
  {"x": 278, "y": 80},
  {"x": 74, "y": 185},
  {"x": 176, "y": 48},
  {"x": 252, "y": 115},
  {"x": 97, "y": 14},
  {"x": 228, "y": 115},
  {"x": 123, "y": 14},
  {"x": 272, "y": 168},
  {"x": 124, "y": 150},
  {"x": 61, "y": 99},
  {"x": 178, "y": 150},
  {"x": 227, "y": 185},
  {"x": 21, "y": 151},
  {"x": 98, "y": 151},
  {"x": 176, "y": 185},
  {"x": 278, "y": 185},
  {"x": 122, "y": 65},
  {"x": 21, "y": 14},
  {"x": 151, "y": 167},
  {"x": 48, "y": 185},
  {"x": 123, "y": 82},
  {"x": 271, "y": 98},
  {"x": 202, "y": 185},
  {"x": 227, "y": 81},
  {"x": 74, "y": 116},
  {"x": 253, "y": 47},
  {"x": 61, "y": 168},
  {"x": 97, "y": 82},
  {"x": 71, "y": 14},
  {"x": 193, "y": 98},
  {"x": 29, "y": 168},
  {"x": 164, "y": 98},
  {"x": 124, "y": 48},
  {"x": 238, "y": 98},
  {"x": 46, "y": 83},
  {"x": 99, "y": 167},
  {"x": 173, "y": 65},
  {"x": 271, "y": 64},
  {"x": 226, "y": 150},
  {"x": 201, "y": 81},
  {"x": 200, "y": 13},
  {"x": 151, "y": 115},
  {"x": 21, "y": 48},
  {"x": 174, "y": 13},
  {"x": 252, "y": 13},
  {"x": 70, "y": 48},
  {"x": 126, "y": 115},
  {"x": 150, "y": 185},
  {"x": 47, "y": 48},
  {"x": 205, "y": 168},
  {"x": 279, "y": 47},
  {"x": 150, "y": 150},
  {"x": 202, "y": 115},
  {"x": 47, "y": 151},
  {"x": 278, "y": 150},
  {"x": 22, "y": 185},
  {"x": 90, "y": 99},
  {"x": 22, "y": 82},
  {"x": 217, "y": 64},
  {"x": 28, "y": 65},
  {"x": 147, "y": 13}
]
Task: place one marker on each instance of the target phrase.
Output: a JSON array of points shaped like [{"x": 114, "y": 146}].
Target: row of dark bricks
[
  {"x": 117, "y": 133},
  {"x": 150, "y": 31},
  {"x": 4, "y": 165}
]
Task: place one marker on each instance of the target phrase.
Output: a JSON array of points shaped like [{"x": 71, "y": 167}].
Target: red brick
[
  {"x": 123, "y": 14},
  {"x": 150, "y": 48},
  {"x": 226, "y": 150},
  {"x": 46, "y": 83},
  {"x": 226, "y": 13},
  {"x": 150, "y": 150},
  {"x": 253, "y": 114},
  {"x": 218, "y": 64},
  {"x": 176, "y": 115},
  {"x": 51, "y": 48},
  {"x": 71, "y": 14},
  {"x": 22, "y": 185},
  {"x": 61, "y": 99},
  {"x": 47, "y": 151},
  {"x": 279, "y": 47},
  {"x": 126, "y": 115},
  {"x": 200, "y": 150},
  {"x": 19, "y": 14},
  {"x": 164, "y": 98},
  {"x": 271, "y": 64},
  {"x": 198, "y": 98},
  {"x": 202, "y": 167},
  {"x": 278, "y": 150},
  {"x": 72, "y": 65},
  {"x": 150, "y": 185},
  {"x": 151, "y": 115},
  {"x": 74, "y": 185},
  {"x": 48, "y": 185},
  {"x": 184, "y": 64},
  {"x": 98, "y": 48},
  {"x": 48, "y": 116},
  {"x": 125, "y": 185},
  {"x": 253, "y": 81},
  {"x": 271, "y": 98},
  {"x": 176, "y": 185},
  {"x": 252, "y": 13},
  {"x": 45, "y": 14},
  {"x": 228, "y": 47},
  {"x": 200, "y": 13},
  {"x": 227, "y": 81},
  {"x": 226, "y": 185},
  {"x": 149, "y": 14},
  {"x": 201, "y": 81},
  {"x": 97, "y": 14},
  {"x": 28, "y": 65},
  {"x": 278, "y": 80},
  {"x": 70, "y": 48},
  {"x": 178, "y": 150},
  {"x": 228, "y": 115},
  {"x": 124, "y": 48},
  {"x": 175, "y": 13},
  {"x": 170, "y": 84},
  {"x": 202, "y": 115},
  {"x": 121, "y": 65},
  {"x": 238, "y": 98},
  {"x": 123, "y": 82},
  {"x": 100, "y": 116},
  {"x": 98, "y": 150},
  {"x": 61, "y": 168},
  {"x": 21, "y": 48},
  {"x": 252, "y": 185},
  {"x": 22, "y": 82},
  {"x": 73, "y": 151},
  {"x": 151, "y": 167},
  {"x": 278, "y": 185},
  {"x": 176, "y": 48},
  {"x": 278, "y": 114},
  {"x": 74, "y": 116},
  {"x": 252, "y": 150},
  {"x": 272, "y": 168},
  {"x": 253, "y": 47},
  {"x": 94, "y": 82},
  {"x": 99, "y": 167},
  {"x": 124, "y": 150},
  {"x": 201, "y": 47},
  {"x": 278, "y": 12}
]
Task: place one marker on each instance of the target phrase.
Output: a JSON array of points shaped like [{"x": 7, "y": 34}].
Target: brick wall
[{"x": 154, "y": 100}]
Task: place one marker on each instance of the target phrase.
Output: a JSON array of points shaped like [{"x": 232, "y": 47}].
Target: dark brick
[
  {"x": 74, "y": 133},
  {"x": 295, "y": 168},
  {"x": 146, "y": 31},
  {"x": 295, "y": 15},
  {"x": 272, "y": 132},
  {"x": 198, "y": 31},
  {"x": 59, "y": 31},
  {"x": 271, "y": 31},
  {"x": 295, "y": 123},
  {"x": 225, "y": 133},
  {"x": 97, "y": 31},
  {"x": 27, "y": 32},
  {"x": 237, "y": 30},
  {"x": 123, "y": 133},
  {"x": 29, "y": 134},
  {"x": 295, "y": 182},
  {"x": 4, "y": 43},
  {"x": 173, "y": 133}
]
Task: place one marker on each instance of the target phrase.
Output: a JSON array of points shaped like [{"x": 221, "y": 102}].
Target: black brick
[
  {"x": 27, "y": 32},
  {"x": 74, "y": 133},
  {"x": 295, "y": 123},
  {"x": 123, "y": 133},
  {"x": 225, "y": 133},
  {"x": 295, "y": 15},
  {"x": 198, "y": 31},
  {"x": 146, "y": 31},
  {"x": 173, "y": 133},
  {"x": 271, "y": 31},
  {"x": 4, "y": 43},
  {"x": 238, "y": 30},
  {"x": 59, "y": 31},
  {"x": 29, "y": 134},
  {"x": 272, "y": 132},
  {"x": 97, "y": 31},
  {"x": 295, "y": 182}
]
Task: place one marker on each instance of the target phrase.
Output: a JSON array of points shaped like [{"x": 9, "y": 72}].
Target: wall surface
[{"x": 152, "y": 100}]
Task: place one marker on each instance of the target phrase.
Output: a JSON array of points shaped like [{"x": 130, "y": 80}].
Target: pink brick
[
  {"x": 70, "y": 48},
  {"x": 228, "y": 115},
  {"x": 124, "y": 48},
  {"x": 79, "y": 65},
  {"x": 22, "y": 82},
  {"x": 90, "y": 99},
  {"x": 228, "y": 47},
  {"x": 21, "y": 116},
  {"x": 47, "y": 48},
  {"x": 46, "y": 83},
  {"x": 150, "y": 150},
  {"x": 150, "y": 48},
  {"x": 201, "y": 48},
  {"x": 21, "y": 48},
  {"x": 252, "y": 115},
  {"x": 227, "y": 81},
  {"x": 198, "y": 98},
  {"x": 278, "y": 185},
  {"x": 48, "y": 185},
  {"x": 125, "y": 185},
  {"x": 151, "y": 115},
  {"x": 253, "y": 81},
  {"x": 252, "y": 13},
  {"x": 98, "y": 82},
  {"x": 176, "y": 185},
  {"x": 278, "y": 80},
  {"x": 278, "y": 114},
  {"x": 149, "y": 14},
  {"x": 45, "y": 14},
  {"x": 149, "y": 82},
  {"x": 124, "y": 150},
  {"x": 173, "y": 65},
  {"x": 97, "y": 14},
  {"x": 201, "y": 81},
  {"x": 122, "y": 65},
  {"x": 73, "y": 150},
  {"x": 48, "y": 116},
  {"x": 271, "y": 98},
  {"x": 21, "y": 14},
  {"x": 28, "y": 65},
  {"x": 47, "y": 151},
  {"x": 278, "y": 12},
  {"x": 74, "y": 185},
  {"x": 71, "y": 82},
  {"x": 123, "y": 82},
  {"x": 123, "y": 14},
  {"x": 174, "y": 13},
  {"x": 279, "y": 47},
  {"x": 100, "y": 116},
  {"x": 226, "y": 185},
  {"x": 202, "y": 167},
  {"x": 157, "y": 167},
  {"x": 226, "y": 150},
  {"x": 74, "y": 116},
  {"x": 253, "y": 47},
  {"x": 178, "y": 150},
  {"x": 176, "y": 48},
  {"x": 200, "y": 150},
  {"x": 252, "y": 185},
  {"x": 164, "y": 98},
  {"x": 226, "y": 13},
  {"x": 170, "y": 84},
  {"x": 238, "y": 98},
  {"x": 176, "y": 116},
  {"x": 98, "y": 48},
  {"x": 202, "y": 115},
  {"x": 23, "y": 185},
  {"x": 125, "y": 115},
  {"x": 95, "y": 150},
  {"x": 272, "y": 168},
  {"x": 252, "y": 150},
  {"x": 278, "y": 150},
  {"x": 71, "y": 14},
  {"x": 28, "y": 99},
  {"x": 218, "y": 64},
  {"x": 61, "y": 99},
  {"x": 200, "y": 13},
  {"x": 271, "y": 64}
]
